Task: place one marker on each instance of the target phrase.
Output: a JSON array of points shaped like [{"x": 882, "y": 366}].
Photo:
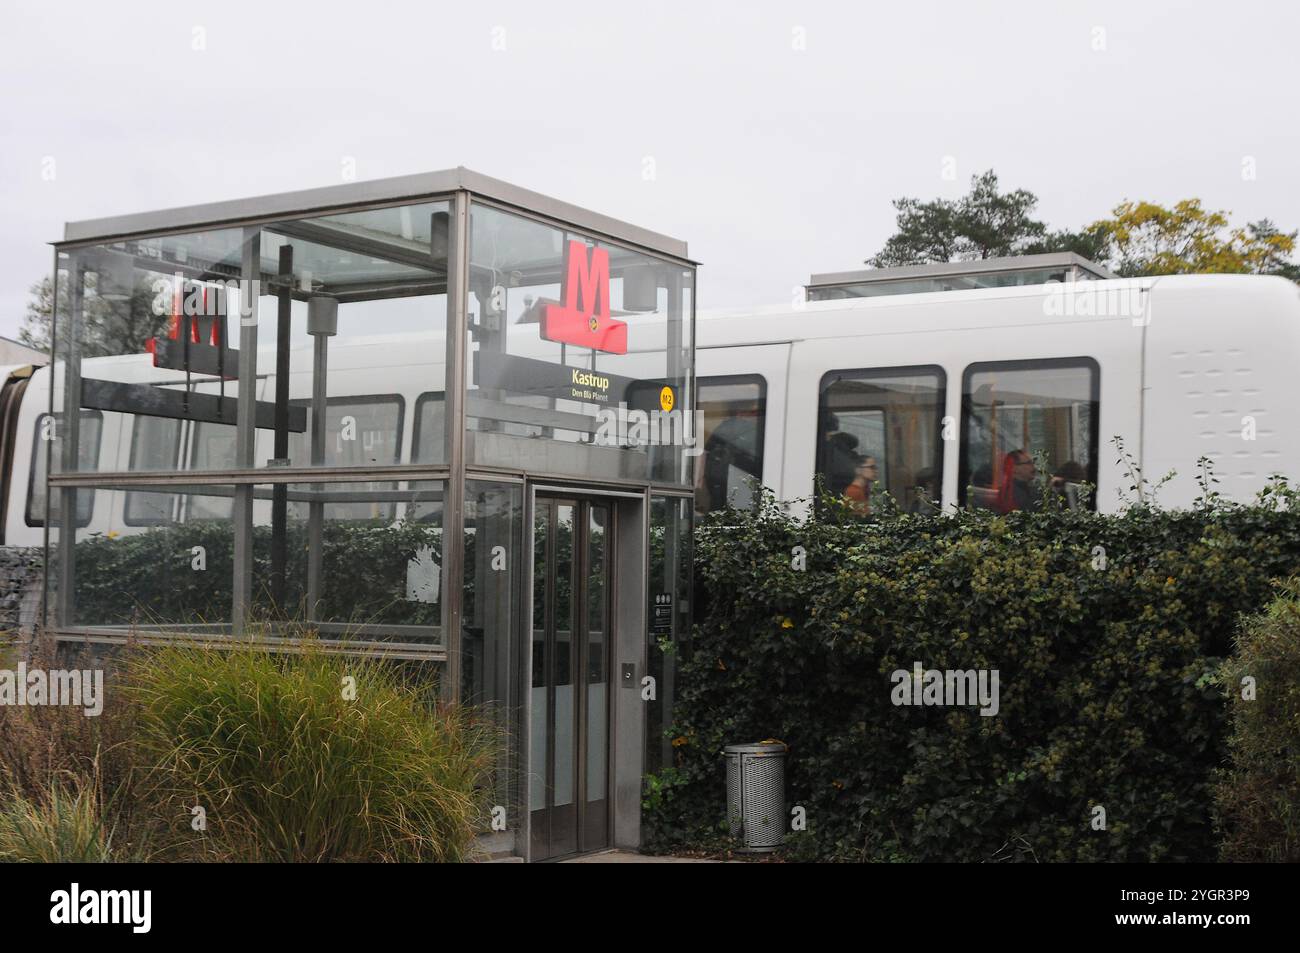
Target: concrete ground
[{"x": 629, "y": 857}]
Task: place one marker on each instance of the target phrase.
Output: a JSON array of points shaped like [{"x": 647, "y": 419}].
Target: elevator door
[{"x": 569, "y": 744}]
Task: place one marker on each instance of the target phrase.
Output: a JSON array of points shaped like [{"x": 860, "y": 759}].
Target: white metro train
[
  {"x": 951, "y": 398},
  {"x": 961, "y": 392}
]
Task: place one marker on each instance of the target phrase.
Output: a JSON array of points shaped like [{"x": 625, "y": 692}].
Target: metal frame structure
[
  {"x": 358, "y": 196},
  {"x": 283, "y": 483}
]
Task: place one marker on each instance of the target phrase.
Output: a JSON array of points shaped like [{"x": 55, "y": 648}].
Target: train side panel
[{"x": 1222, "y": 353}]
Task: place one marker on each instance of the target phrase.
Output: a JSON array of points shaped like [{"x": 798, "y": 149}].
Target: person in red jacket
[{"x": 1016, "y": 483}]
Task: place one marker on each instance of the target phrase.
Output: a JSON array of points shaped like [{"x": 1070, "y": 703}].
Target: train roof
[{"x": 953, "y": 310}]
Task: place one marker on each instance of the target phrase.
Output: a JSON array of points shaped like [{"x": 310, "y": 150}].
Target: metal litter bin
[{"x": 756, "y": 793}]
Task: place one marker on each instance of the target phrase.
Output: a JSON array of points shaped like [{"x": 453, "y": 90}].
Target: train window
[
  {"x": 1017, "y": 412},
  {"x": 212, "y": 448},
  {"x": 734, "y": 410},
  {"x": 92, "y": 426},
  {"x": 359, "y": 432},
  {"x": 881, "y": 429},
  {"x": 155, "y": 445},
  {"x": 430, "y": 429}
]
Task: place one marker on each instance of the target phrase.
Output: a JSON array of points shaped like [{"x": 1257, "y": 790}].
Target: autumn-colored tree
[{"x": 1144, "y": 238}]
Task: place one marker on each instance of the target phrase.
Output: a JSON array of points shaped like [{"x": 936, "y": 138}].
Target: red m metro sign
[{"x": 584, "y": 318}]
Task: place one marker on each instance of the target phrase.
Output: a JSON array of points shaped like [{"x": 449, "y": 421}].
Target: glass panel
[
  {"x": 144, "y": 325},
  {"x": 564, "y": 820},
  {"x": 671, "y": 521},
  {"x": 212, "y": 447},
  {"x": 359, "y": 431},
  {"x": 1018, "y": 414},
  {"x": 48, "y": 443},
  {"x": 376, "y": 582},
  {"x": 492, "y": 537},
  {"x": 882, "y": 430},
  {"x": 151, "y": 326},
  {"x": 490, "y": 668},
  {"x": 539, "y": 720},
  {"x": 385, "y": 273},
  {"x": 568, "y": 337},
  {"x": 155, "y": 444},
  {"x": 564, "y": 659},
  {"x": 165, "y": 575},
  {"x": 597, "y": 623},
  {"x": 381, "y": 574},
  {"x": 430, "y": 429},
  {"x": 734, "y": 412}
]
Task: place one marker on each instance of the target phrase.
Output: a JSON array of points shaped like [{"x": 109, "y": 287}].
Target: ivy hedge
[
  {"x": 1108, "y": 634},
  {"x": 1258, "y": 793}
]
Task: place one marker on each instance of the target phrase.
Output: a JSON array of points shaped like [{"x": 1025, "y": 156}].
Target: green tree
[
  {"x": 1272, "y": 249},
  {"x": 110, "y": 326},
  {"x": 1092, "y": 243},
  {"x": 984, "y": 223},
  {"x": 35, "y": 331}
]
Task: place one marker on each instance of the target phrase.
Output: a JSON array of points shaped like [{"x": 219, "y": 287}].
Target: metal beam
[
  {"x": 168, "y": 634},
  {"x": 245, "y": 437},
  {"x": 279, "y": 497},
  {"x": 70, "y": 436},
  {"x": 401, "y": 251},
  {"x": 148, "y": 400},
  {"x": 377, "y": 193},
  {"x": 453, "y": 529},
  {"x": 250, "y": 475}
]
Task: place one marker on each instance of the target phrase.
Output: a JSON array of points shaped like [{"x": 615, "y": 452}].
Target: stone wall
[{"x": 22, "y": 578}]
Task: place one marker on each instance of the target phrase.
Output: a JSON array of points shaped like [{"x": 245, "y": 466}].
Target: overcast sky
[{"x": 777, "y": 133}]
